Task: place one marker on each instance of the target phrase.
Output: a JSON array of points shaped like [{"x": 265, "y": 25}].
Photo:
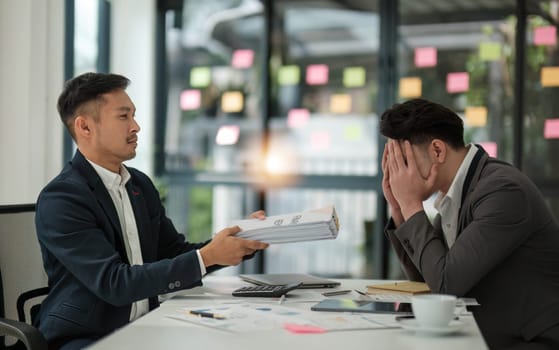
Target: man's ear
[
  {"x": 82, "y": 126},
  {"x": 438, "y": 150}
]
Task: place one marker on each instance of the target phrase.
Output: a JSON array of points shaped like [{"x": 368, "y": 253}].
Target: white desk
[{"x": 156, "y": 331}]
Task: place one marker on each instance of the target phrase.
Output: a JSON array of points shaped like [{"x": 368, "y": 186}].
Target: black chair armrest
[{"x": 29, "y": 335}]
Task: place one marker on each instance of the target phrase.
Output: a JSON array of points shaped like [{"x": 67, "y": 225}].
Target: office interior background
[{"x": 274, "y": 104}]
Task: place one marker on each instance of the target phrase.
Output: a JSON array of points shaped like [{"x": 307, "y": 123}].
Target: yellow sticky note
[
  {"x": 476, "y": 116},
  {"x": 288, "y": 75},
  {"x": 354, "y": 77},
  {"x": 340, "y": 103},
  {"x": 352, "y": 133},
  {"x": 410, "y": 87},
  {"x": 200, "y": 77},
  {"x": 490, "y": 51},
  {"x": 232, "y": 102},
  {"x": 550, "y": 76}
]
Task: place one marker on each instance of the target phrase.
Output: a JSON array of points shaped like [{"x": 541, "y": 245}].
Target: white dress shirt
[
  {"x": 448, "y": 204},
  {"x": 115, "y": 184}
]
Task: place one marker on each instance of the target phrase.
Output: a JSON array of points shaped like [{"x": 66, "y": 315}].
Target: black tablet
[{"x": 348, "y": 305}]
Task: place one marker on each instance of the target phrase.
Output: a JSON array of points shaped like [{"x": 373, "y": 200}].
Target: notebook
[
  {"x": 308, "y": 281},
  {"x": 405, "y": 287}
]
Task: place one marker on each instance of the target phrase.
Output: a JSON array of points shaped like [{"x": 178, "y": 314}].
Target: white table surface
[{"x": 157, "y": 331}]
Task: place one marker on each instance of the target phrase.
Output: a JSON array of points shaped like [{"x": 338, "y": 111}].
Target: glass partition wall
[{"x": 275, "y": 105}]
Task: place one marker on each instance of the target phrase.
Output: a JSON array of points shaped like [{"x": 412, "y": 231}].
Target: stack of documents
[{"x": 296, "y": 227}]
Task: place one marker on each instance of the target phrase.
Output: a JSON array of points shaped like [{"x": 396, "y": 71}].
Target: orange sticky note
[
  {"x": 410, "y": 87},
  {"x": 550, "y": 76},
  {"x": 476, "y": 116},
  {"x": 340, "y": 103},
  {"x": 232, "y": 102}
]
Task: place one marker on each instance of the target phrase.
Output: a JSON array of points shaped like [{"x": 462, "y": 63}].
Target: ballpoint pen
[
  {"x": 207, "y": 314},
  {"x": 282, "y": 299}
]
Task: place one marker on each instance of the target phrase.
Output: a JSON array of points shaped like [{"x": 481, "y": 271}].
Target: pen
[
  {"x": 336, "y": 292},
  {"x": 207, "y": 314},
  {"x": 362, "y": 293},
  {"x": 282, "y": 299}
]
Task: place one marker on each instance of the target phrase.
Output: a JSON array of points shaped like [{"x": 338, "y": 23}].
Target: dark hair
[
  {"x": 86, "y": 88},
  {"x": 420, "y": 121}
]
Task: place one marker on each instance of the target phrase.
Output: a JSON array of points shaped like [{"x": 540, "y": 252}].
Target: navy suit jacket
[{"x": 92, "y": 283}]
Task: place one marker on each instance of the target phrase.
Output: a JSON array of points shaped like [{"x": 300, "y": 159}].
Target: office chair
[{"x": 28, "y": 336}]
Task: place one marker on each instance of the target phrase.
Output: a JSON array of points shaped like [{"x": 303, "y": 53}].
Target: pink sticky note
[
  {"x": 551, "y": 129},
  {"x": 297, "y": 117},
  {"x": 227, "y": 135},
  {"x": 242, "y": 58},
  {"x": 490, "y": 148},
  {"x": 457, "y": 82},
  {"x": 303, "y": 329},
  {"x": 425, "y": 57},
  {"x": 545, "y": 35},
  {"x": 320, "y": 140},
  {"x": 190, "y": 99},
  {"x": 317, "y": 74}
]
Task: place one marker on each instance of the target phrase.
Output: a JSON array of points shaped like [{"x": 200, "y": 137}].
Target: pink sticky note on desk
[
  {"x": 546, "y": 35},
  {"x": 303, "y": 329}
]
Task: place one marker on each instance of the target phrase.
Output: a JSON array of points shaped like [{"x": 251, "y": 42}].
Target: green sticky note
[
  {"x": 490, "y": 51},
  {"x": 354, "y": 76},
  {"x": 288, "y": 75},
  {"x": 352, "y": 133},
  {"x": 200, "y": 77}
]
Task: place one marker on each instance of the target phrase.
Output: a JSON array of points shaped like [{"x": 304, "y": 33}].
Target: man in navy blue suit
[{"x": 108, "y": 248}]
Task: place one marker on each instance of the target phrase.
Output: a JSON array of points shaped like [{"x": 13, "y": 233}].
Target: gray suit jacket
[{"x": 506, "y": 253}]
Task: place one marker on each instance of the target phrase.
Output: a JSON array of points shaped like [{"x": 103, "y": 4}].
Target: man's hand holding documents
[{"x": 296, "y": 227}]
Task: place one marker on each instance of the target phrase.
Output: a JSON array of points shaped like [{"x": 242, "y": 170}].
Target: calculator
[{"x": 265, "y": 291}]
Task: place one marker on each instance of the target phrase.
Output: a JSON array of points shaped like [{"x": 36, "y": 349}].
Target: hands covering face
[{"x": 403, "y": 186}]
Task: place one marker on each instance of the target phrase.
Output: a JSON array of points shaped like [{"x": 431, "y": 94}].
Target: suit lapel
[
  {"x": 470, "y": 182},
  {"x": 102, "y": 196},
  {"x": 140, "y": 214}
]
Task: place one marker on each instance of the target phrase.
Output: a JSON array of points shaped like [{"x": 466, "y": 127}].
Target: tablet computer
[{"x": 372, "y": 306}]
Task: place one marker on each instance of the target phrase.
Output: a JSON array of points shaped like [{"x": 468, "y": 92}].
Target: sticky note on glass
[
  {"x": 317, "y": 74},
  {"x": 550, "y": 76},
  {"x": 490, "y": 51},
  {"x": 546, "y": 35},
  {"x": 227, "y": 135},
  {"x": 242, "y": 58},
  {"x": 297, "y": 118},
  {"x": 410, "y": 87},
  {"x": 190, "y": 99},
  {"x": 476, "y": 116},
  {"x": 457, "y": 82},
  {"x": 340, "y": 103},
  {"x": 288, "y": 75},
  {"x": 425, "y": 57},
  {"x": 352, "y": 133},
  {"x": 200, "y": 77},
  {"x": 232, "y": 102},
  {"x": 320, "y": 140},
  {"x": 551, "y": 129},
  {"x": 354, "y": 77},
  {"x": 490, "y": 148}
]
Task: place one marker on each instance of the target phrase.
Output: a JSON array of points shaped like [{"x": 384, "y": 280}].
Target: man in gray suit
[{"x": 494, "y": 238}]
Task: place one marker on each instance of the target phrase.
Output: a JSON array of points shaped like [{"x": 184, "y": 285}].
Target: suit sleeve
[
  {"x": 70, "y": 230},
  {"x": 500, "y": 223}
]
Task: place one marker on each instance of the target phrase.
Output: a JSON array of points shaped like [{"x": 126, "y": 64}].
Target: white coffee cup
[{"x": 433, "y": 310}]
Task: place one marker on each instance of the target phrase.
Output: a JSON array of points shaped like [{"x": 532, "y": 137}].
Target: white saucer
[{"x": 412, "y": 325}]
